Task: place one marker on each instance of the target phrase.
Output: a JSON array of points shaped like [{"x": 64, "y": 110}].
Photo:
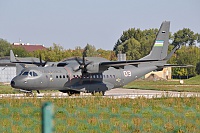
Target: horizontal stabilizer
[{"x": 172, "y": 52}]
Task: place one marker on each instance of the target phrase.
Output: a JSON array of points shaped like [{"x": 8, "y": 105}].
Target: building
[
  {"x": 7, "y": 70},
  {"x": 166, "y": 74},
  {"x": 29, "y": 47}
]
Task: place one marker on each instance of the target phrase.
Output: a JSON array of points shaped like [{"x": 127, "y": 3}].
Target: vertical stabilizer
[
  {"x": 160, "y": 47},
  {"x": 12, "y": 57}
]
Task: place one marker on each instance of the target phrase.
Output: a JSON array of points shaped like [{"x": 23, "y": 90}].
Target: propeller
[
  {"x": 41, "y": 63},
  {"x": 82, "y": 65}
]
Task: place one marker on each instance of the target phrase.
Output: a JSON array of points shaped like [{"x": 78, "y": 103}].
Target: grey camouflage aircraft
[{"x": 93, "y": 74}]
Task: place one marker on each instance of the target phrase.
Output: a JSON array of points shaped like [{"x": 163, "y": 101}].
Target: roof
[{"x": 31, "y": 48}]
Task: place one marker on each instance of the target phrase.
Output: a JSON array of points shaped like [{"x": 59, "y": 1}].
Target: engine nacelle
[{"x": 95, "y": 68}]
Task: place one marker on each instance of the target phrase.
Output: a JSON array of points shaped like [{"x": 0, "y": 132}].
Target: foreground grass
[
  {"x": 190, "y": 85},
  {"x": 97, "y": 114}
]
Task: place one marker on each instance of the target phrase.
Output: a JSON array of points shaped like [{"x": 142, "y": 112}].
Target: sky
[{"x": 72, "y": 23}]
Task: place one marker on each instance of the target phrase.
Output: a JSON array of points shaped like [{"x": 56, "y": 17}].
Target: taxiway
[{"x": 114, "y": 93}]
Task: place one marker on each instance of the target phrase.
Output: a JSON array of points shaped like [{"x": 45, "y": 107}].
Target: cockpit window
[
  {"x": 30, "y": 73},
  {"x": 35, "y": 74},
  {"x": 25, "y": 73}
]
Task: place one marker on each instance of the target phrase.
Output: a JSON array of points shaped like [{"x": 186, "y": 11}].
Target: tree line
[{"x": 135, "y": 43}]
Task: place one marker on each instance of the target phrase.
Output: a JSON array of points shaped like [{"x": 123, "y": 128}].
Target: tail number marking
[{"x": 127, "y": 73}]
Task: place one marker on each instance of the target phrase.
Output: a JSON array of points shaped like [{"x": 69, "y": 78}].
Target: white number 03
[{"x": 127, "y": 73}]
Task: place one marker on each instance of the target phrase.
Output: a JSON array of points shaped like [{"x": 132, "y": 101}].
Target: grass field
[
  {"x": 97, "y": 114},
  {"x": 189, "y": 85}
]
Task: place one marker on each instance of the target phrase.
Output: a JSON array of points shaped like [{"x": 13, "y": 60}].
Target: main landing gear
[
  {"x": 71, "y": 92},
  {"x": 101, "y": 93}
]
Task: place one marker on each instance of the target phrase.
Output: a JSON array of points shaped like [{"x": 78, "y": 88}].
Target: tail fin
[
  {"x": 160, "y": 47},
  {"x": 12, "y": 57}
]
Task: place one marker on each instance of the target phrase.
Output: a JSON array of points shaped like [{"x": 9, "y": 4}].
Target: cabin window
[
  {"x": 63, "y": 76},
  {"x": 60, "y": 76},
  {"x": 56, "y": 76}
]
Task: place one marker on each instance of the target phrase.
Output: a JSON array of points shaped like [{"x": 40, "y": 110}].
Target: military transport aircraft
[{"x": 93, "y": 74}]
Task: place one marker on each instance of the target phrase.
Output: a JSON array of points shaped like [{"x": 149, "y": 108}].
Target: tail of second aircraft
[{"x": 160, "y": 47}]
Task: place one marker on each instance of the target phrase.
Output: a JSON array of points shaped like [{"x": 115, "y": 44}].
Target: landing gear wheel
[
  {"x": 71, "y": 92},
  {"x": 76, "y": 93},
  {"x": 101, "y": 93}
]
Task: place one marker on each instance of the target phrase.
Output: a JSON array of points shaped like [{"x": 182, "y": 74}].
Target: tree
[
  {"x": 90, "y": 51},
  {"x": 184, "y": 37},
  {"x": 77, "y": 52},
  {"x": 187, "y": 55},
  {"x": 144, "y": 40},
  {"x": 198, "y": 38},
  {"x": 130, "y": 33},
  {"x": 131, "y": 47},
  {"x": 4, "y": 48},
  {"x": 20, "y": 51}
]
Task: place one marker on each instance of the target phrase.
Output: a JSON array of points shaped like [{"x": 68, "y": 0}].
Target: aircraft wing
[
  {"x": 172, "y": 65},
  {"x": 123, "y": 63}
]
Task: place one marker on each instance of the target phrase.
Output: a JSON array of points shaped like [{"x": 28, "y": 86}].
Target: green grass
[
  {"x": 97, "y": 114},
  {"x": 193, "y": 80},
  {"x": 190, "y": 85},
  {"x": 6, "y": 89}
]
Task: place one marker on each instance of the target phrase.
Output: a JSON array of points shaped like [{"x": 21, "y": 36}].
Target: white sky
[{"x": 97, "y": 22}]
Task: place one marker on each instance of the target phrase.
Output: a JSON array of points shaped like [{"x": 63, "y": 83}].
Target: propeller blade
[
  {"x": 78, "y": 61},
  {"x": 89, "y": 63},
  {"x": 77, "y": 70},
  {"x": 40, "y": 56},
  {"x": 82, "y": 65},
  {"x": 83, "y": 60},
  {"x": 43, "y": 64}
]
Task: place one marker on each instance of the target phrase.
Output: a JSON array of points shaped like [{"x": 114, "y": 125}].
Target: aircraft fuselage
[{"x": 64, "y": 78}]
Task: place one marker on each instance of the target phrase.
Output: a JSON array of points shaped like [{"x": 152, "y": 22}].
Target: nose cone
[{"x": 12, "y": 83}]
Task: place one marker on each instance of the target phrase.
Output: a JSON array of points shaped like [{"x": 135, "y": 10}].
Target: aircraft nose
[{"x": 12, "y": 83}]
